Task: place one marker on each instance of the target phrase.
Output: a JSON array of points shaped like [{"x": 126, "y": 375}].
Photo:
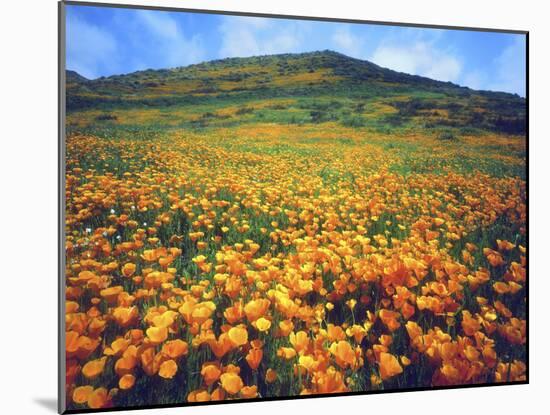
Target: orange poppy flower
[
  {"x": 254, "y": 358},
  {"x": 218, "y": 394},
  {"x": 331, "y": 381},
  {"x": 256, "y": 309},
  {"x": 111, "y": 294},
  {"x": 249, "y": 392},
  {"x": 150, "y": 361},
  {"x": 157, "y": 335},
  {"x": 118, "y": 347},
  {"x": 234, "y": 313},
  {"x": 199, "y": 395},
  {"x": 344, "y": 354},
  {"x": 128, "y": 269},
  {"x": 94, "y": 368},
  {"x": 125, "y": 316},
  {"x": 300, "y": 341},
  {"x": 285, "y": 327},
  {"x": 82, "y": 393},
  {"x": 168, "y": 369},
  {"x": 231, "y": 382},
  {"x": 99, "y": 398},
  {"x": 286, "y": 352},
  {"x": 469, "y": 324},
  {"x": 504, "y": 245},
  {"x": 389, "y": 366},
  {"x": 210, "y": 372},
  {"x": 270, "y": 376},
  {"x": 221, "y": 346},
  {"x": 389, "y": 318},
  {"x": 501, "y": 287},
  {"x": 127, "y": 381},
  {"x": 125, "y": 365},
  {"x": 175, "y": 348}
]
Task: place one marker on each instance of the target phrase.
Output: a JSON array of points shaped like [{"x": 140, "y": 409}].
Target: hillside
[{"x": 361, "y": 94}]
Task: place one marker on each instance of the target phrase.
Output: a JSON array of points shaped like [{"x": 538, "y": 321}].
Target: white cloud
[
  {"x": 511, "y": 69},
  {"x": 419, "y": 58},
  {"x": 252, "y": 36},
  {"x": 474, "y": 80},
  {"x": 346, "y": 42},
  {"x": 89, "y": 48},
  {"x": 174, "y": 48},
  {"x": 160, "y": 24}
]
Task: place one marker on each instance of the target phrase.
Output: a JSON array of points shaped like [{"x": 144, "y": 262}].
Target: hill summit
[{"x": 302, "y": 75}]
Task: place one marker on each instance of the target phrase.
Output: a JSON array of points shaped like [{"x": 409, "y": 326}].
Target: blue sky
[{"x": 108, "y": 41}]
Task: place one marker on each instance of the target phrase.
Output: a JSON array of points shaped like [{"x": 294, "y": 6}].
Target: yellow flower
[
  {"x": 231, "y": 382},
  {"x": 263, "y": 324},
  {"x": 238, "y": 336},
  {"x": 157, "y": 335}
]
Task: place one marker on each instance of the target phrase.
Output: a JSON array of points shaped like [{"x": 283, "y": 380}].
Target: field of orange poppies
[{"x": 271, "y": 260}]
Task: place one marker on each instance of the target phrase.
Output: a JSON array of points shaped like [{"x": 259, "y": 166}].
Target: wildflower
[
  {"x": 210, "y": 372},
  {"x": 94, "y": 368},
  {"x": 254, "y": 357},
  {"x": 81, "y": 394},
  {"x": 262, "y": 324},
  {"x": 238, "y": 336},
  {"x": 389, "y": 366},
  {"x": 127, "y": 381},
  {"x": 168, "y": 369},
  {"x": 231, "y": 382}
]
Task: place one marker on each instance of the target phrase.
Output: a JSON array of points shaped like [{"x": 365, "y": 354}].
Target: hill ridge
[{"x": 309, "y": 79}]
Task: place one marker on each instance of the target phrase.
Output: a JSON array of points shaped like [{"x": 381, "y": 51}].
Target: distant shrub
[
  {"x": 394, "y": 120},
  {"x": 245, "y": 110},
  {"x": 277, "y": 107},
  {"x": 106, "y": 117},
  {"x": 469, "y": 131},
  {"x": 210, "y": 115},
  {"x": 411, "y": 107},
  {"x": 354, "y": 122},
  {"x": 360, "y": 107},
  {"x": 322, "y": 116},
  {"x": 447, "y": 136},
  {"x": 200, "y": 123},
  {"x": 295, "y": 120},
  {"x": 512, "y": 125},
  {"x": 205, "y": 90}
]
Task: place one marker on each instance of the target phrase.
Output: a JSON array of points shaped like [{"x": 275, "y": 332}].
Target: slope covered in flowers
[{"x": 238, "y": 264}]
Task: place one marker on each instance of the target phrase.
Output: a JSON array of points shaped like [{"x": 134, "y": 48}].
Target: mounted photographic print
[{"x": 258, "y": 207}]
